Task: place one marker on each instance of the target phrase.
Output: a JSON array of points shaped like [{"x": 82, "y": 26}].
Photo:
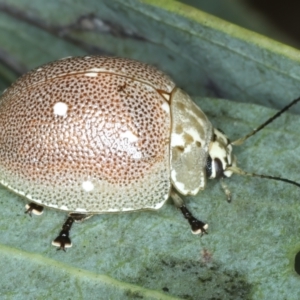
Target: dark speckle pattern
[{"x": 88, "y": 134}]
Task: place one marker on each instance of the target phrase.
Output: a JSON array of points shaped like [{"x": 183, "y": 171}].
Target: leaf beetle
[{"x": 92, "y": 135}]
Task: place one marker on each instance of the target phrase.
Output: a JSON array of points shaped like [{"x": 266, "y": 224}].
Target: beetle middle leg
[
  {"x": 63, "y": 241},
  {"x": 197, "y": 226},
  {"x": 33, "y": 208}
]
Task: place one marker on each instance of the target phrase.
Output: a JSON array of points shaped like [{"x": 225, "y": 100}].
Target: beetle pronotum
[{"x": 91, "y": 135}]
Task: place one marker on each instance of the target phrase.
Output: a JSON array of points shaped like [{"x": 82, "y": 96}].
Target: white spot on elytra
[
  {"x": 166, "y": 107},
  {"x": 39, "y": 69},
  {"x": 129, "y": 135},
  {"x": 177, "y": 140},
  {"x": 137, "y": 155},
  {"x": 97, "y": 70},
  {"x": 87, "y": 186},
  {"x": 60, "y": 108},
  {"x": 91, "y": 74}
]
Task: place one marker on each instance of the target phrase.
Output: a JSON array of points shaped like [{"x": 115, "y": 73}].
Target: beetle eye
[
  {"x": 218, "y": 168},
  {"x": 214, "y": 168},
  {"x": 208, "y": 167}
]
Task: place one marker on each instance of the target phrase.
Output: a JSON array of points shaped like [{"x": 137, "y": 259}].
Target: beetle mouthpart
[
  {"x": 33, "y": 208},
  {"x": 239, "y": 171}
]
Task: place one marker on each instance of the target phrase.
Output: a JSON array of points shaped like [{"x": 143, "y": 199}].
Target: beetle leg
[
  {"x": 33, "y": 208},
  {"x": 226, "y": 190},
  {"x": 63, "y": 241},
  {"x": 197, "y": 226}
]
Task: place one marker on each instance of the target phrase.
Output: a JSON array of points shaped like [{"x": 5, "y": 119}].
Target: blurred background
[{"x": 276, "y": 19}]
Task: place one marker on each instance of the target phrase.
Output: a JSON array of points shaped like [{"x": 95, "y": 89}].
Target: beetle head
[
  {"x": 222, "y": 163},
  {"x": 220, "y": 156}
]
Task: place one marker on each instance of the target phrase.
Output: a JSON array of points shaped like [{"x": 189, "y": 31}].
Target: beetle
[{"x": 92, "y": 135}]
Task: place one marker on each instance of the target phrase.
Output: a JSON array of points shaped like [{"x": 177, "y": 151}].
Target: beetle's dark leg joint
[
  {"x": 197, "y": 226},
  {"x": 63, "y": 241},
  {"x": 33, "y": 208}
]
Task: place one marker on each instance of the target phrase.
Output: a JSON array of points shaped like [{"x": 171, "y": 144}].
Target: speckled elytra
[{"x": 91, "y": 135}]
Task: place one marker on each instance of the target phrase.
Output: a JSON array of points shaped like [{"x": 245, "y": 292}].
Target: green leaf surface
[
  {"x": 250, "y": 249},
  {"x": 248, "y": 253}
]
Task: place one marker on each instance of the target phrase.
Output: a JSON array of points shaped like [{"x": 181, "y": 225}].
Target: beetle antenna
[
  {"x": 239, "y": 171},
  {"x": 242, "y": 140}
]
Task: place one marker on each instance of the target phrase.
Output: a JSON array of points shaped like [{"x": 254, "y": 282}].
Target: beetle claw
[
  {"x": 197, "y": 226},
  {"x": 33, "y": 208},
  {"x": 62, "y": 242}
]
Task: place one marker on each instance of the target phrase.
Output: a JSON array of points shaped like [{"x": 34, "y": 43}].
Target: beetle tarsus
[
  {"x": 197, "y": 226},
  {"x": 33, "y": 208},
  {"x": 226, "y": 190},
  {"x": 63, "y": 241}
]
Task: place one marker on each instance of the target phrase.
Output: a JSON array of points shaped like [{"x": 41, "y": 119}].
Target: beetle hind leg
[
  {"x": 197, "y": 226},
  {"x": 63, "y": 241}
]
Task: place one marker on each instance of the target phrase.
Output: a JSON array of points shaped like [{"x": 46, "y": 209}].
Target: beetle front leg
[
  {"x": 197, "y": 226},
  {"x": 63, "y": 241}
]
